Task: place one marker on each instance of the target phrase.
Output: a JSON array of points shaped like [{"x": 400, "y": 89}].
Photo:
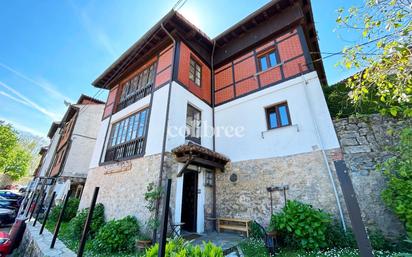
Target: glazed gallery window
[
  {"x": 278, "y": 116},
  {"x": 193, "y": 120},
  {"x": 267, "y": 60},
  {"x": 127, "y": 137},
  {"x": 137, "y": 87},
  {"x": 195, "y": 72}
]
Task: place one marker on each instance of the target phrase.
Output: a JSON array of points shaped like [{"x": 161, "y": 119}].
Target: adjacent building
[
  {"x": 65, "y": 162},
  {"x": 257, "y": 86}
]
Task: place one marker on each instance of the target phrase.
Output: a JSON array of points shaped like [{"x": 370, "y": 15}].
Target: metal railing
[
  {"x": 125, "y": 150},
  {"x": 139, "y": 94}
]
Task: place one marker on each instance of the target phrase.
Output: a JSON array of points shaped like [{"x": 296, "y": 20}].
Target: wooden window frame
[
  {"x": 190, "y": 137},
  {"x": 266, "y": 54},
  {"x": 122, "y": 150},
  {"x": 275, "y": 108},
  {"x": 196, "y": 63}
]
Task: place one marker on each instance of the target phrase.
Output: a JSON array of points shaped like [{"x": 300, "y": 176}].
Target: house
[
  {"x": 257, "y": 86},
  {"x": 65, "y": 164}
]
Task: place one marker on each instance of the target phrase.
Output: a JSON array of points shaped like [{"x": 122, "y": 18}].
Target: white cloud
[
  {"x": 21, "y": 127},
  {"x": 42, "y": 83},
  {"x": 26, "y": 101}
]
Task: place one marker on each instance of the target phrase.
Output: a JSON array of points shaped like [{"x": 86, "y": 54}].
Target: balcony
[
  {"x": 134, "y": 97},
  {"x": 124, "y": 151}
]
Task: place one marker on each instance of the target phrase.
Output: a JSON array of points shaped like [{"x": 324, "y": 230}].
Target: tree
[
  {"x": 14, "y": 158},
  {"x": 383, "y": 54}
]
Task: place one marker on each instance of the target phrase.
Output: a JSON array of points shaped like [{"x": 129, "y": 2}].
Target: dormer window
[
  {"x": 195, "y": 72},
  {"x": 267, "y": 60}
]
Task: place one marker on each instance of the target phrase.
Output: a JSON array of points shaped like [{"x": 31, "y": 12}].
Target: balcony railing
[
  {"x": 136, "y": 96},
  {"x": 130, "y": 149}
]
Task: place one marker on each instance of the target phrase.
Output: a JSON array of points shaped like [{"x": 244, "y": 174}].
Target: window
[
  {"x": 127, "y": 137},
  {"x": 193, "y": 120},
  {"x": 278, "y": 116},
  {"x": 195, "y": 72},
  {"x": 267, "y": 60},
  {"x": 137, "y": 87}
]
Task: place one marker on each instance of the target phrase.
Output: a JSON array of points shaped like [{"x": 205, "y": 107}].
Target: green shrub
[
  {"x": 303, "y": 224},
  {"x": 337, "y": 238},
  {"x": 76, "y": 225},
  {"x": 398, "y": 171},
  {"x": 180, "y": 248},
  {"x": 256, "y": 231},
  {"x": 117, "y": 235},
  {"x": 69, "y": 213}
]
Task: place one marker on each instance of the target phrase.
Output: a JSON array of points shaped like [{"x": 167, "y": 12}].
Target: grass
[{"x": 256, "y": 248}]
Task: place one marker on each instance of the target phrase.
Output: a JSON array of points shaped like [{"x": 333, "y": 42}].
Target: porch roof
[{"x": 197, "y": 154}]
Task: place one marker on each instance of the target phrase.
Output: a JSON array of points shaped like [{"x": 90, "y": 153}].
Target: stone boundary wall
[
  {"x": 364, "y": 141},
  {"x": 35, "y": 245}
]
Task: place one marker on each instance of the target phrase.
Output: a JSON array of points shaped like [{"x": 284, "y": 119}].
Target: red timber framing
[{"x": 283, "y": 26}]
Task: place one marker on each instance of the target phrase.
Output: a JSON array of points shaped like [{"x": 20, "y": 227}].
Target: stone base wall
[
  {"x": 35, "y": 245},
  {"x": 305, "y": 175},
  {"x": 364, "y": 141},
  {"x": 123, "y": 185}
]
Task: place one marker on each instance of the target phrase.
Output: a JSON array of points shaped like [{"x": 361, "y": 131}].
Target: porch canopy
[{"x": 199, "y": 155}]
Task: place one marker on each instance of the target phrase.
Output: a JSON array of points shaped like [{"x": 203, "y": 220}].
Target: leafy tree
[
  {"x": 398, "y": 171},
  {"x": 14, "y": 158},
  {"x": 383, "y": 54}
]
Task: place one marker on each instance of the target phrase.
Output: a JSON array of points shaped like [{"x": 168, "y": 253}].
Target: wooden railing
[
  {"x": 139, "y": 94},
  {"x": 125, "y": 150}
]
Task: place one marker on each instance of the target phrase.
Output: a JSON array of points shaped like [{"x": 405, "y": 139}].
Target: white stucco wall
[
  {"x": 50, "y": 154},
  {"x": 257, "y": 142},
  {"x": 83, "y": 140}
]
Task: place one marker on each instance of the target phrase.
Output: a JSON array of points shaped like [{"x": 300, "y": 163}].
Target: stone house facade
[{"x": 257, "y": 86}]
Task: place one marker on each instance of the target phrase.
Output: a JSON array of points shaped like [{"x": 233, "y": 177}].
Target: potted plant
[{"x": 152, "y": 196}]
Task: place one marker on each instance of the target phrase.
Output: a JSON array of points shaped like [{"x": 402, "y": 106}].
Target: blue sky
[{"x": 51, "y": 51}]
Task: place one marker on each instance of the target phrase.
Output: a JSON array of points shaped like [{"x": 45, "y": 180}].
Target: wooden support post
[
  {"x": 39, "y": 208},
  {"x": 365, "y": 248},
  {"x": 87, "y": 223},
  {"x": 59, "y": 220},
  {"x": 165, "y": 216},
  {"x": 46, "y": 216}
]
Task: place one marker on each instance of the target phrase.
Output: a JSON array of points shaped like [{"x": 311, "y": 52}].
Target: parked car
[
  {"x": 5, "y": 244},
  {"x": 7, "y": 216},
  {"x": 10, "y": 195},
  {"x": 9, "y": 204}
]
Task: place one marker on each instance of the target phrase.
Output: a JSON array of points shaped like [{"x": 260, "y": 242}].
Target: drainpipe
[
  {"x": 213, "y": 124},
  {"x": 162, "y": 157},
  {"x": 325, "y": 159}
]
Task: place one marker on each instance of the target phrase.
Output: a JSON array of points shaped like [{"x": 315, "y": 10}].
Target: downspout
[
  {"x": 325, "y": 159},
  {"x": 213, "y": 124},
  {"x": 162, "y": 157}
]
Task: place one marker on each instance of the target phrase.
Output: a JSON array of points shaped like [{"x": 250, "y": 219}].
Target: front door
[{"x": 189, "y": 201}]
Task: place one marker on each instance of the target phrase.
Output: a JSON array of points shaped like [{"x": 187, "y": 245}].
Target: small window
[
  {"x": 267, "y": 60},
  {"x": 278, "y": 116},
  {"x": 195, "y": 72},
  {"x": 193, "y": 120}
]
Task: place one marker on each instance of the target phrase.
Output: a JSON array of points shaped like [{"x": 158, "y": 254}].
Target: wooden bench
[{"x": 233, "y": 224}]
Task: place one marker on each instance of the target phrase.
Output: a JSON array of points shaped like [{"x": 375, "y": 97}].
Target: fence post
[
  {"x": 35, "y": 205},
  {"x": 59, "y": 221},
  {"x": 39, "y": 208},
  {"x": 24, "y": 202},
  {"x": 165, "y": 218},
  {"x": 87, "y": 223},
  {"x": 30, "y": 202},
  {"x": 47, "y": 213}
]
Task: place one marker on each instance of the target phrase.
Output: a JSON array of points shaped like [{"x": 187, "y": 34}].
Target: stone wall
[
  {"x": 305, "y": 175},
  {"x": 364, "y": 141},
  {"x": 35, "y": 245}
]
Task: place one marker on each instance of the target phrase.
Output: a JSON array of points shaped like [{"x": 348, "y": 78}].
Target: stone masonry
[{"x": 364, "y": 141}]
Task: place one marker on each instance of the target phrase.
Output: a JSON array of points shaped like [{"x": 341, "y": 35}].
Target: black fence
[
  {"x": 123, "y": 151},
  {"x": 139, "y": 94}
]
